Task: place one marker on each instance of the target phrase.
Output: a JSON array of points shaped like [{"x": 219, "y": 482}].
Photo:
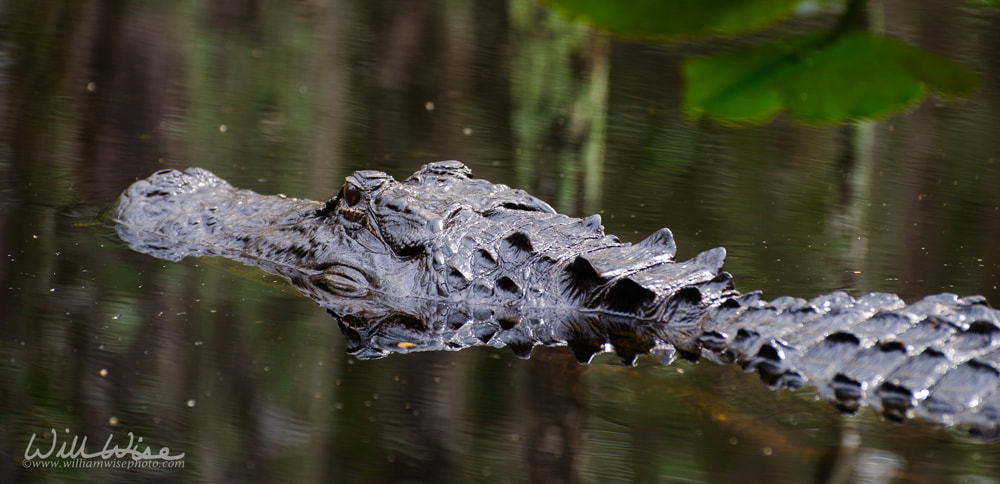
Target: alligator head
[
  {"x": 419, "y": 259},
  {"x": 407, "y": 217}
]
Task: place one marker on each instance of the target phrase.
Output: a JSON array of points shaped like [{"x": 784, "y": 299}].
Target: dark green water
[{"x": 250, "y": 380}]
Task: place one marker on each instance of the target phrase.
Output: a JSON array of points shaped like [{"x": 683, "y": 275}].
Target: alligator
[{"x": 444, "y": 261}]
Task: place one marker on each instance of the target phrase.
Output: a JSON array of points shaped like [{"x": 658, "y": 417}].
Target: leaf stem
[{"x": 852, "y": 17}]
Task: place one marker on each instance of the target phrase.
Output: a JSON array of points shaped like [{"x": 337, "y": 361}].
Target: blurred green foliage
[
  {"x": 677, "y": 18},
  {"x": 857, "y": 75},
  {"x": 831, "y": 77},
  {"x": 559, "y": 91}
]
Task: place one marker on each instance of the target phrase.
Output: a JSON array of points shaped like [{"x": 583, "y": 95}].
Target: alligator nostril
[{"x": 435, "y": 225}]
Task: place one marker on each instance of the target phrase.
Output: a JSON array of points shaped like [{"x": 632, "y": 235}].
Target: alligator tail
[{"x": 937, "y": 359}]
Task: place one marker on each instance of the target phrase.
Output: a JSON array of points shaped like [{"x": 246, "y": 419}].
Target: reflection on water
[{"x": 251, "y": 382}]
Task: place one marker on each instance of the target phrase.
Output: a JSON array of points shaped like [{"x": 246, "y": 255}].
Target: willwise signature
[{"x": 77, "y": 449}]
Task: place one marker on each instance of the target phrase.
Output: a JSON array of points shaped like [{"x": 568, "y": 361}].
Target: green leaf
[
  {"x": 819, "y": 78},
  {"x": 675, "y": 18}
]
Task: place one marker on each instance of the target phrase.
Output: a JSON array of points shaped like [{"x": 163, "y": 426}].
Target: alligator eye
[
  {"x": 343, "y": 280},
  {"x": 352, "y": 195}
]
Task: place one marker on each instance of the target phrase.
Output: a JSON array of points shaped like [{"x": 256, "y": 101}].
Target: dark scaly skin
[{"x": 443, "y": 261}]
